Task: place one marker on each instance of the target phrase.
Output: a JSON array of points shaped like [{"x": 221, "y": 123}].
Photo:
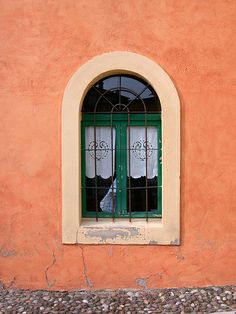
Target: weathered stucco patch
[
  {"x": 153, "y": 242},
  {"x": 7, "y": 253},
  {"x": 112, "y": 233},
  {"x": 142, "y": 282},
  {"x": 175, "y": 242}
]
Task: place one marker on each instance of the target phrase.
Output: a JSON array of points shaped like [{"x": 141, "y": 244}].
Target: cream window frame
[{"x": 75, "y": 229}]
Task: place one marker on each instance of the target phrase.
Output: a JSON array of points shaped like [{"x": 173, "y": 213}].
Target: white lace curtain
[
  {"x": 143, "y": 152},
  {"x": 103, "y": 153}
]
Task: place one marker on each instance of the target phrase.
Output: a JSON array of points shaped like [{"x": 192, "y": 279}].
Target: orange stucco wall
[{"x": 42, "y": 44}]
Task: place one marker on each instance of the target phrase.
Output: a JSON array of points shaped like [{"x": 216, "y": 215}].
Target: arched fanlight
[{"x": 121, "y": 93}]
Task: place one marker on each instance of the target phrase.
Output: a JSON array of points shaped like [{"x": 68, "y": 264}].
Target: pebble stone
[{"x": 183, "y": 300}]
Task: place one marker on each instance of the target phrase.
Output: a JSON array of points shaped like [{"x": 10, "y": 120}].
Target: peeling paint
[
  {"x": 7, "y": 253},
  {"x": 179, "y": 255},
  {"x": 50, "y": 283},
  {"x": 159, "y": 274},
  {"x": 175, "y": 242},
  {"x": 153, "y": 242},
  {"x": 141, "y": 282},
  {"x": 112, "y": 233}
]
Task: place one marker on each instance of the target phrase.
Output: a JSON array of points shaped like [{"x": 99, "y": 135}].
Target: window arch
[{"x": 77, "y": 104}]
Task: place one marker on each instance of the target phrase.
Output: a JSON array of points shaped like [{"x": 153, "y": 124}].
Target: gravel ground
[{"x": 196, "y": 300}]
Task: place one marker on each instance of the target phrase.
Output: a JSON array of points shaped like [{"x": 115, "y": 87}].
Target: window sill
[{"x": 105, "y": 231}]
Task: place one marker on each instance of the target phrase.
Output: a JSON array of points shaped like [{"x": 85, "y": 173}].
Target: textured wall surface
[{"x": 42, "y": 44}]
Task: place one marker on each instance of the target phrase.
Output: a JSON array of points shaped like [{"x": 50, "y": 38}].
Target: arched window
[
  {"x": 121, "y": 153},
  {"x": 121, "y": 149}
]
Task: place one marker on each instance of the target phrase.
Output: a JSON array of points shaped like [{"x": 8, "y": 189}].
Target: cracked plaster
[
  {"x": 50, "y": 283},
  {"x": 88, "y": 281},
  {"x": 7, "y": 253}
]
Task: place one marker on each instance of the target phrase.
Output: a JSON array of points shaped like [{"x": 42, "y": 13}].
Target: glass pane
[
  {"x": 96, "y": 190},
  {"x": 98, "y": 101},
  {"x": 111, "y": 82},
  {"x": 138, "y": 198}
]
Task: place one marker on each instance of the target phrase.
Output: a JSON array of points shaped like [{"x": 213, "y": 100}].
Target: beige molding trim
[{"x": 165, "y": 231}]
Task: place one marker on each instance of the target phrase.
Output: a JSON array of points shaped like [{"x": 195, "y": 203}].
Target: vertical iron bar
[
  {"x": 146, "y": 182},
  {"x": 129, "y": 167},
  {"x": 95, "y": 161},
  {"x": 112, "y": 176}
]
